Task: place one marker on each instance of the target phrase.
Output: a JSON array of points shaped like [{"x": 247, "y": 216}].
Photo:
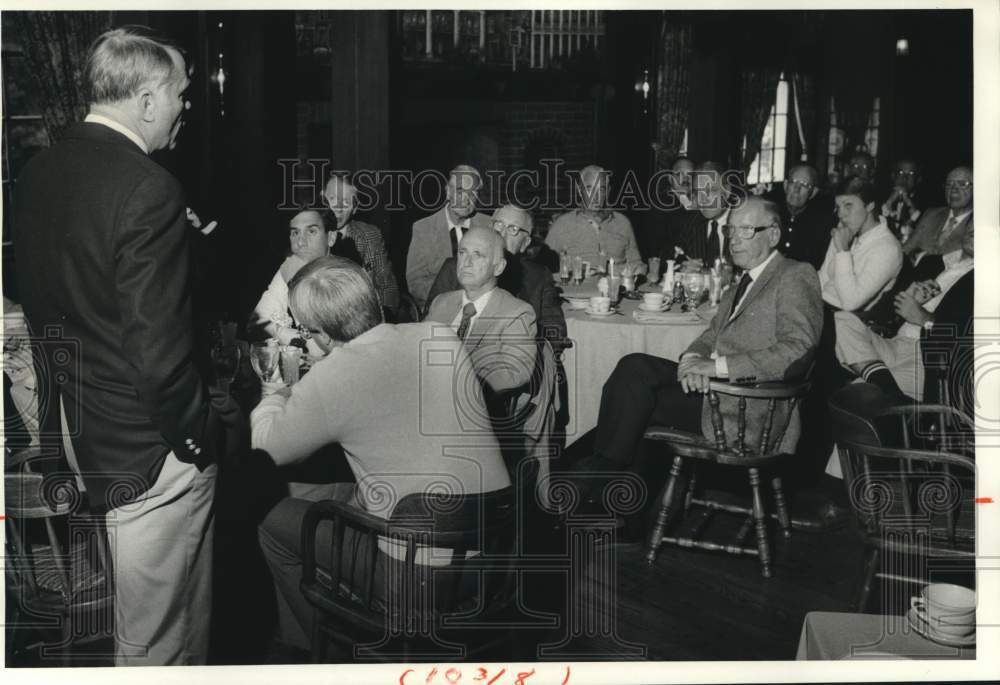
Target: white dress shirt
[
  {"x": 120, "y": 128},
  {"x": 480, "y": 304}
]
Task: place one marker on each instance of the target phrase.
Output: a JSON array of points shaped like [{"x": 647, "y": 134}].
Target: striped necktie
[{"x": 468, "y": 311}]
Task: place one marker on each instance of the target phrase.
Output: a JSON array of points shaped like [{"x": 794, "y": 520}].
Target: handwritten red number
[
  {"x": 497, "y": 676},
  {"x": 402, "y": 678},
  {"x": 521, "y": 677},
  {"x": 448, "y": 677},
  {"x": 430, "y": 676},
  {"x": 482, "y": 674},
  {"x": 566, "y": 679}
]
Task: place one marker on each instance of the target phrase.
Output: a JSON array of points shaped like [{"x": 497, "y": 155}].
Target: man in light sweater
[
  {"x": 383, "y": 394},
  {"x": 864, "y": 256}
]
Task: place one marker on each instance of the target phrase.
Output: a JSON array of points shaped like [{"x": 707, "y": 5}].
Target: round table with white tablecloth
[{"x": 600, "y": 341}]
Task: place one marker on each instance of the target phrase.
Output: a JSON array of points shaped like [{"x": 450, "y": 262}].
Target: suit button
[
  {"x": 188, "y": 441},
  {"x": 197, "y": 451}
]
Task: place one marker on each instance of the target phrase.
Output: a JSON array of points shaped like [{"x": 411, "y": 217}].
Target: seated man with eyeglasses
[
  {"x": 766, "y": 329},
  {"x": 940, "y": 229},
  {"x": 806, "y": 216},
  {"x": 902, "y": 208},
  {"x": 521, "y": 277}
]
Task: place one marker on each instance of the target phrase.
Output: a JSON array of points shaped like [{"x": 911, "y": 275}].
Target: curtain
[
  {"x": 673, "y": 86},
  {"x": 805, "y": 100},
  {"x": 758, "y": 88},
  {"x": 56, "y": 46}
]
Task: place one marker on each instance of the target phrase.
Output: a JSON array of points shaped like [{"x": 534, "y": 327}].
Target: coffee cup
[
  {"x": 653, "y": 300},
  {"x": 600, "y": 305},
  {"x": 949, "y": 610}
]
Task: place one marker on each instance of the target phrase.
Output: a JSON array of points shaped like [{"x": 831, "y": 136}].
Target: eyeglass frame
[
  {"x": 729, "y": 229},
  {"x": 497, "y": 225},
  {"x": 963, "y": 185},
  {"x": 800, "y": 185}
]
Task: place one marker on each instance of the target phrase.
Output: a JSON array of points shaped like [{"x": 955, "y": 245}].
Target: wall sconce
[
  {"x": 902, "y": 47},
  {"x": 643, "y": 87}
]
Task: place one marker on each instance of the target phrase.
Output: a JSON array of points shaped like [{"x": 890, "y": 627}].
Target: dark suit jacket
[
  {"x": 948, "y": 350},
  {"x": 806, "y": 236},
  {"x": 526, "y": 281},
  {"x": 103, "y": 264},
  {"x": 772, "y": 337}
]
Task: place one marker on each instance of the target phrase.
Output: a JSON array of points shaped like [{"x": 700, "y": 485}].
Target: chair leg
[
  {"x": 871, "y": 568},
  {"x": 782, "y": 507},
  {"x": 758, "y": 518},
  {"x": 663, "y": 515},
  {"x": 690, "y": 489}
]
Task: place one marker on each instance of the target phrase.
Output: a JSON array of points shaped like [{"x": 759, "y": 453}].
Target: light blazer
[
  {"x": 928, "y": 228},
  {"x": 501, "y": 342},
  {"x": 772, "y": 337},
  {"x": 429, "y": 247}
]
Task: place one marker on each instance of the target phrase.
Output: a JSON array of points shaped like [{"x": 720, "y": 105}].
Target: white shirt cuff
[{"x": 721, "y": 367}]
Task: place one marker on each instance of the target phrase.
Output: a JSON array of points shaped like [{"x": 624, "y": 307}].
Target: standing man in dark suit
[
  {"x": 436, "y": 237},
  {"x": 522, "y": 278},
  {"x": 107, "y": 265}
]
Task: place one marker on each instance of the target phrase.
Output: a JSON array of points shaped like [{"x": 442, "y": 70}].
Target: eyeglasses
[
  {"x": 744, "y": 232},
  {"x": 499, "y": 225},
  {"x": 306, "y": 333},
  {"x": 961, "y": 185},
  {"x": 801, "y": 186},
  {"x": 907, "y": 172}
]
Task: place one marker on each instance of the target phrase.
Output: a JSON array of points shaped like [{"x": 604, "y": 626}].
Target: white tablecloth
[{"x": 598, "y": 344}]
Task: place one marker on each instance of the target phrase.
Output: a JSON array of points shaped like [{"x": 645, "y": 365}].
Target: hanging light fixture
[
  {"x": 643, "y": 87},
  {"x": 902, "y": 47}
]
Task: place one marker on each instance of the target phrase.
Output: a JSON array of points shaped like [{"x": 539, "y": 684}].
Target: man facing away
[
  {"x": 382, "y": 394},
  {"x": 108, "y": 264},
  {"x": 436, "y": 237}
]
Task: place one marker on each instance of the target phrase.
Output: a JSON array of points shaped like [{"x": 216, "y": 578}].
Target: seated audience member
[
  {"x": 354, "y": 237},
  {"x": 365, "y": 395},
  {"x": 806, "y": 217},
  {"x": 766, "y": 329},
  {"x": 667, "y": 227},
  {"x": 494, "y": 324},
  {"x": 894, "y": 364},
  {"x": 310, "y": 235},
  {"x": 436, "y": 237},
  {"x": 593, "y": 232},
  {"x": 902, "y": 208},
  {"x": 940, "y": 229},
  {"x": 861, "y": 165},
  {"x": 864, "y": 256},
  {"x": 522, "y": 278}
]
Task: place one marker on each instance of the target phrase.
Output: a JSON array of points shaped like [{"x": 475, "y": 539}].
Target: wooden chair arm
[
  {"x": 772, "y": 390},
  {"x": 23, "y": 456},
  {"x": 926, "y": 456}
]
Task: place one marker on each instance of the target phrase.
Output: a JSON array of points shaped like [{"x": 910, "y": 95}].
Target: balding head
[
  {"x": 463, "y": 187},
  {"x": 514, "y": 225},
  {"x": 480, "y": 261},
  {"x": 800, "y": 187},
  {"x": 958, "y": 189},
  {"x": 593, "y": 187}
]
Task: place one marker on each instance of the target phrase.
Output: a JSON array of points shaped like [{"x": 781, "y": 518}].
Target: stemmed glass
[
  {"x": 264, "y": 359},
  {"x": 226, "y": 362},
  {"x": 694, "y": 286}
]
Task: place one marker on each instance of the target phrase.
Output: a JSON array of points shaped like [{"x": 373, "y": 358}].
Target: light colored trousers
[
  {"x": 856, "y": 343},
  {"x": 162, "y": 555}
]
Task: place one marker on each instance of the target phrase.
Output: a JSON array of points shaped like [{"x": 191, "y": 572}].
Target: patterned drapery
[
  {"x": 56, "y": 46},
  {"x": 674, "y": 86},
  {"x": 758, "y": 88}
]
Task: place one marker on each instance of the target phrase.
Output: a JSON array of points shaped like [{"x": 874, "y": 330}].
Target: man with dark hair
[
  {"x": 382, "y": 394},
  {"x": 108, "y": 265},
  {"x": 902, "y": 208}
]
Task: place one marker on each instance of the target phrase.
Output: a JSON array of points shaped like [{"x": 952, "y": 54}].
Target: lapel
[
  {"x": 441, "y": 239},
  {"x": 483, "y": 322},
  {"x": 757, "y": 287}
]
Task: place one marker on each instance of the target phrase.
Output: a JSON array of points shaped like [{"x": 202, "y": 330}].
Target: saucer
[
  {"x": 662, "y": 308},
  {"x": 591, "y": 312},
  {"x": 919, "y": 623}
]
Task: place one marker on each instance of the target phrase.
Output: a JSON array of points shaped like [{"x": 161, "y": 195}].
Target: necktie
[
  {"x": 741, "y": 289},
  {"x": 468, "y": 311},
  {"x": 455, "y": 234},
  {"x": 948, "y": 228},
  {"x": 714, "y": 249}
]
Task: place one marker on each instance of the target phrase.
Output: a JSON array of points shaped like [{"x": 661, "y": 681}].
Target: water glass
[
  {"x": 264, "y": 359},
  {"x": 291, "y": 357},
  {"x": 225, "y": 362}
]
